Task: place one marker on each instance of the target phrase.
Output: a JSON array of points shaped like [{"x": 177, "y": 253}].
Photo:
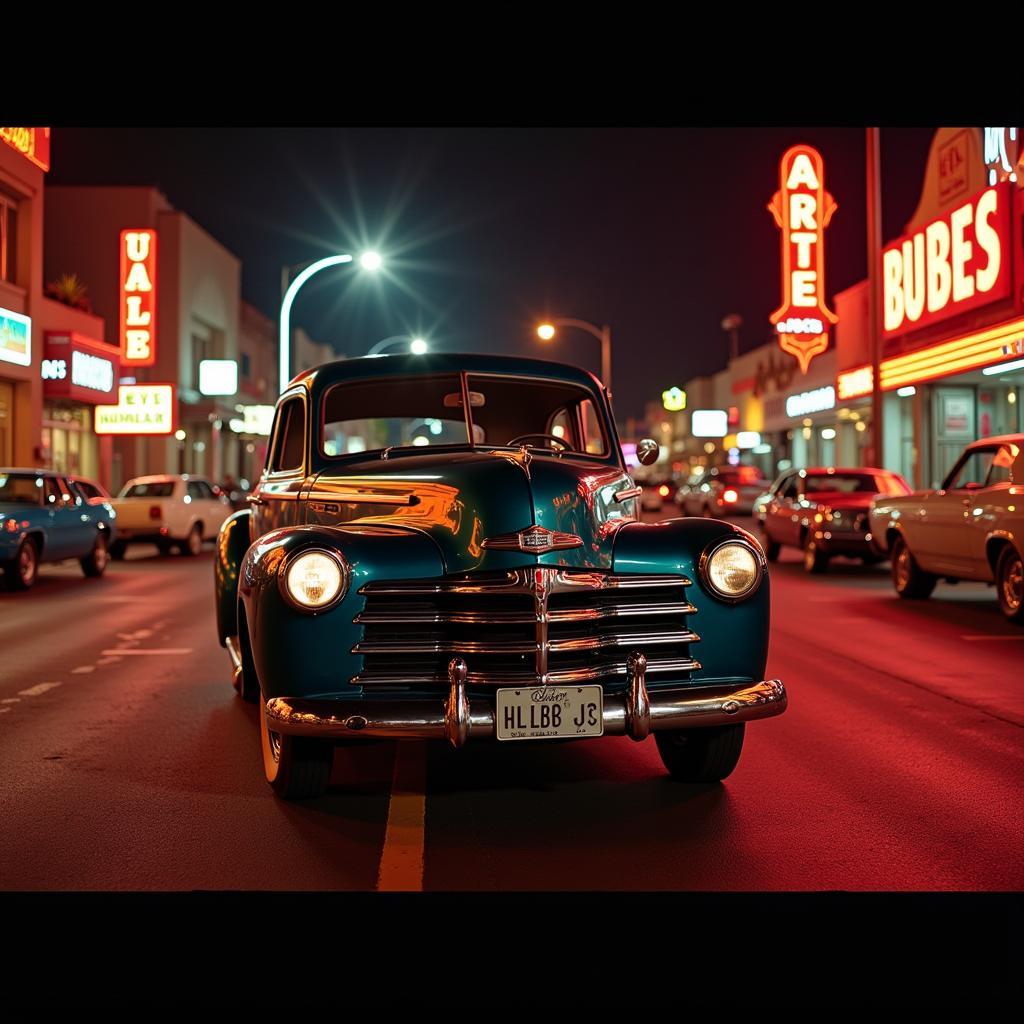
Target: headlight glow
[
  {"x": 315, "y": 579},
  {"x": 732, "y": 570}
]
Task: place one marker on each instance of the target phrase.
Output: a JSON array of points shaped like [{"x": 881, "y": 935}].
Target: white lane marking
[
  {"x": 985, "y": 636},
  {"x": 153, "y": 650},
  {"x": 139, "y": 634},
  {"x": 11, "y": 700},
  {"x": 401, "y": 859},
  {"x": 35, "y": 691},
  {"x": 3, "y": 711},
  {"x": 107, "y": 661},
  {"x": 83, "y": 668}
]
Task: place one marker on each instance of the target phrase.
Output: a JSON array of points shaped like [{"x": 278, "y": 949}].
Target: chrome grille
[{"x": 524, "y": 627}]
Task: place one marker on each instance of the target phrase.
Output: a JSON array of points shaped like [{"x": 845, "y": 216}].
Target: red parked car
[{"x": 824, "y": 511}]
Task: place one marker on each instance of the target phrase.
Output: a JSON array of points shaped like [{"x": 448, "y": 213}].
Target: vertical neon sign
[
  {"x": 138, "y": 297},
  {"x": 802, "y": 209}
]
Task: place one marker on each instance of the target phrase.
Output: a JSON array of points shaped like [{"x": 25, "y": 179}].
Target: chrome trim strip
[
  {"x": 679, "y": 708},
  {"x": 363, "y": 497},
  {"x": 612, "y": 611},
  {"x": 584, "y": 643},
  {"x": 628, "y": 492},
  {"x": 235, "y": 653},
  {"x": 554, "y": 678},
  {"x": 457, "y": 716},
  {"x": 596, "y": 643},
  {"x": 520, "y": 581}
]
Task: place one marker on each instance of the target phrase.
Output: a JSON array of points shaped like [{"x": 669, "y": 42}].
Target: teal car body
[{"x": 500, "y": 559}]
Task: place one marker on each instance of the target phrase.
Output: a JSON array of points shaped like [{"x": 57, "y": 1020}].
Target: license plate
[{"x": 545, "y": 712}]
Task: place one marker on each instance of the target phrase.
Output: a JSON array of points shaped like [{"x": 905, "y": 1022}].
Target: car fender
[
  {"x": 306, "y": 654},
  {"x": 233, "y": 541},
  {"x": 734, "y": 635}
]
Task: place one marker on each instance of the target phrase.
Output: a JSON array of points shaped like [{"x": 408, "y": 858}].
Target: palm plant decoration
[{"x": 71, "y": 290}]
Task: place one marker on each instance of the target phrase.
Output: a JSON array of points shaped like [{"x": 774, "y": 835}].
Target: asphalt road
[{"x": 129, "y": 763}]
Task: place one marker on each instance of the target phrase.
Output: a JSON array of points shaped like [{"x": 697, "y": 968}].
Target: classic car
[
  {"x": 448, "y": 547},
  {"x": 824, "y": 512},
  {"x": 971, "y": 528},
  {"x": 654, "y": 493},
  {"x": 723, "y": 491},
  {"x": 45, "y": 517},
  {"x": 169, "y": 510}
]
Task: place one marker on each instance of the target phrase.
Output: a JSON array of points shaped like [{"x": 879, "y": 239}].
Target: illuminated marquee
[
  {"x": 855, "y": 383},
  {"x": 140, "y": 409},
  {"x": 138, "y": 297},
  {"x": 674, "y": 399},
  {"x": 802, "y": 209},
  {"x": 819, "y": 400},
  {"x": 957, "y": 262},
  {"x": 33, "y": 143}
]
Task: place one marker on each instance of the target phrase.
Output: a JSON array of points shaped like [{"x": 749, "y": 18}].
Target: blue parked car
[
  {"x": 49, "y": 517},
  {"x": 448, "y": 547}
]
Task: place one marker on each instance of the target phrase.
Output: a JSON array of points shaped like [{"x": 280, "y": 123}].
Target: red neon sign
[
  {"x": 138, "y": 297},
  {"x": 802, "y": 209},
  {"x": 956, "y": 262},
  {"x": 33, "y": 143}
]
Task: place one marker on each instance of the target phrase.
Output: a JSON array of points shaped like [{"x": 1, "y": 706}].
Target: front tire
[
  {"x": 815, "y": 560},
  {"x": 193, "y": 544},
  {"x": 700, "y": 755},
  {"x": 20, "y": 573},
  {"x": 908, "y": 578},
  {"x": 117, "y": 550},
  {"x": 95, "y": 563},
  {"x": 1010, "y": 584},
  {"x": 297, "y": 768}
]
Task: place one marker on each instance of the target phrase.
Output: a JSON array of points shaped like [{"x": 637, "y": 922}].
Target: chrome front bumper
[{"x": 634, "y": 713}]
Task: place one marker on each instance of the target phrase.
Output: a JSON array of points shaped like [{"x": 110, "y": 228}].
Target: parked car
[
  {"x": 427, "y": 556},
  {"x": 654, "y": 494},
  {"x": 971, "y": 528},
  {"x": 723, "y": 491},
  {"x": 824, "y": 511},
  {"x": 47, "y": 517},
  {"x": 168, "y": 510}
]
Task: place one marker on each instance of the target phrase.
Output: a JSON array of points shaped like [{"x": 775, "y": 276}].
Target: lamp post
[
  {"x": 417, "y": 346},
  {"x": 546, "y": 331},
  {"x": 732, "y": 324},
  {"x": 369, "y": 261}
]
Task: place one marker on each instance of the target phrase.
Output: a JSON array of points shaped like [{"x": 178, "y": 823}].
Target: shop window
[{"x": 8, "y": 238}]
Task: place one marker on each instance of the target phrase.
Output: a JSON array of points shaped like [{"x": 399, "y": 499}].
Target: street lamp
[
  {"x": 369, "y": 261},
  {"x": 417, "y": 346},
  {"x": 546, "y": 331}
]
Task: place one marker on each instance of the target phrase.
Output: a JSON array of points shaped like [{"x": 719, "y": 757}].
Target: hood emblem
[{"x": 535, "y": 539}]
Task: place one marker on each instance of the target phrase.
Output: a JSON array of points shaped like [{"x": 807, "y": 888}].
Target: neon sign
[
  {"x": 954, "y": 263},
  {"x": 802, "y": 209},
  {"x": 140, "y": 409},
  {"x": 674, "y": 399},
  {"x": 33, "y": 143},
  {"x": 138, "y": 297},
  {"x": 819, "y": 400}
]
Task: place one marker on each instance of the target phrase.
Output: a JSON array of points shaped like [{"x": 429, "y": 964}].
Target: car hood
[{"x": 462, "y": 499}]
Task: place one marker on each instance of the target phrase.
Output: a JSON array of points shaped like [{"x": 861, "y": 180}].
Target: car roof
[
  {"x": 1017, "y": 439},
  {"x": 837, "y": 470},
  {"x": 30, "y": 469},
  {"x": 404, "y": 364}
]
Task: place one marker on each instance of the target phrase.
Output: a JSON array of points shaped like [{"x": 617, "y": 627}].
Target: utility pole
[{"x": 874, "y": 219}]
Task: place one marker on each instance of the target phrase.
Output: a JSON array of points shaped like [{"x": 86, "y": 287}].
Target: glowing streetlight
[
  {"x": 369, "y": 261},
  {"x": 546, "y": 332},
  {"x": 417, "y": 346}
]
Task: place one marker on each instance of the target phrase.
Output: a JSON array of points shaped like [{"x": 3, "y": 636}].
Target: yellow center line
[{"x": 401, "y": 859}]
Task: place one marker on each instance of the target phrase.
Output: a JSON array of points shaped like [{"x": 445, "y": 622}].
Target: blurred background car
[
  {"x": 722, "y": 491},
  {"x": 168, "y": 510},
  {"x": 824, "y": 512},
  {"x": 654, "y": 494}
]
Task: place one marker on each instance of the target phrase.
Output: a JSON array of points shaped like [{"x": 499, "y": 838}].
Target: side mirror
[{"x": 647, "y": 452}]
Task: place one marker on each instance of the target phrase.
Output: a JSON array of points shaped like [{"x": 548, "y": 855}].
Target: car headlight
[
  {"x": 315, "y": 579},
  {"x": 731, "y": 569}
]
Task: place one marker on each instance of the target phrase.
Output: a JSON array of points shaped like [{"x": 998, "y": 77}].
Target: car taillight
[
  {"x": 663, "y": 490},
  {"x": 154, "y": 512},
  {"x": 730, "y": 495}
]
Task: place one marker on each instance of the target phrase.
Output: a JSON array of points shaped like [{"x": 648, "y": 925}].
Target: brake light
[
  {"x": 154, "y": 512},
  {"x": 663, "y": 490},
  {"x": 11, "y": 526},
  {"x": 730, "y": 495}
]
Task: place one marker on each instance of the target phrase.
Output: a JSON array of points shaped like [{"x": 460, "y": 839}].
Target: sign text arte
[
  {"x": 803, "y": 209},
  {"x": 138, "y": 297}
]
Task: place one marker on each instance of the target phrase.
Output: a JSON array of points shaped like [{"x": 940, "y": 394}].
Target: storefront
[
  {"x": 952, "y": 310},
  {"x": 78, "y": 374}
]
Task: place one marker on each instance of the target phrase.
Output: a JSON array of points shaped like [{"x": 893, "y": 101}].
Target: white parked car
[{"x": 168, "y": 510}]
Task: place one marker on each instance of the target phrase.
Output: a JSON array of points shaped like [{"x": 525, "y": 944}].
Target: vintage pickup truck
[{"x": 448, "y": 547}]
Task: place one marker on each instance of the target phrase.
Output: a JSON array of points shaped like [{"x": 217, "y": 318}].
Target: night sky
[{"x": 657, "y": 232}]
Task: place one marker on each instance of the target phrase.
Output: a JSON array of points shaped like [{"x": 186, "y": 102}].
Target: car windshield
[
  {"x": 21, "y": 489},
  {"x": 423, "y": 412},
  {"x": 158, "y": 489},
  {"x": 854, "y": 483}
]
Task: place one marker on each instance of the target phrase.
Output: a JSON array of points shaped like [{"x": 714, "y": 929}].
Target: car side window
[
  {"x": 1002, "y": 461},
  {"x": 194, "y": 491},
  {"x": 971, "y": 471},
  {"x": 791, "y": 488},
  {"x": 593, "y": 438},
  {"x": 289, "y": 438},
  {"x": 53, "y": 494},
  {"x": 205, "y": 491}
]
